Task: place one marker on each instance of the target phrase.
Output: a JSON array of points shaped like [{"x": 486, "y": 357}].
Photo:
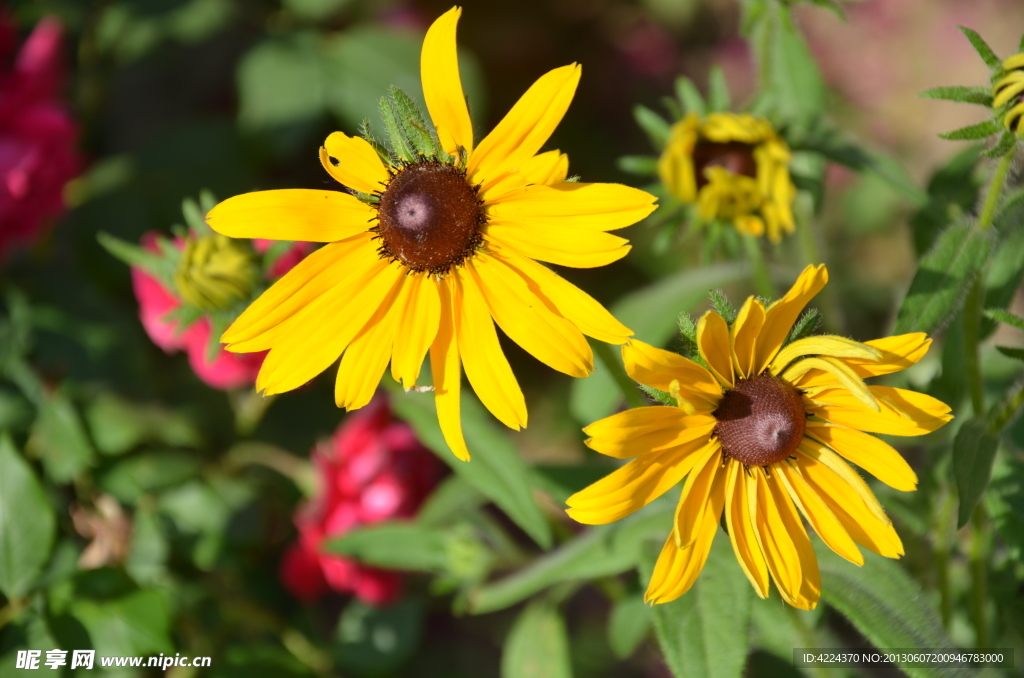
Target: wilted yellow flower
[
  {"x": 447, "y": 248},
  {"x": 735, "y": 168},
  {"x": 1009, "y": 91},
  {"x": 761, "y": 435}
]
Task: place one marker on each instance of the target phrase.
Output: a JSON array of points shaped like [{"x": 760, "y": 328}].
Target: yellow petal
[
  {"x": 353, "y": 163},
  {"x": 873, "y": 455},
  {"x": 658, "y": 369},
  {"x": 812, "y": 448},
  {"x": 323, "y": 270},
  {"x": 635, "y": 485},
  {"x": 319, "y": 334},
  {"x": 818, "y": 514},
  {"x": 823, "y": 345},
  {"x": 781, "y": 315},
  {"x": 447, "y": 374},
  {"x": 696, "y": 494},
  {"x": 860, "y": 522},
  {"x": 526, "y": 127},
  {"x": 791, "y": 561},
  {"x": 549, "y": 168},
  {"x": 646, "y": 429},
  {"x": 714, "y": 345},
  {"x": 898, "y": 353},
  {"x": 365, "y": 359},
  {"x": 574, "y": 304},
  {"x": 442, "y": 87},
  {"x": 741, "y": 529},
  {"x": 573, "y": 247},
  {"x": 544, "y": 333},
  {"x": 417, "y": 330},
  {"x": 743, "y": 335},
  {"x": 601, "y": 207},
  {"x": 292, "y": 214},
  {"x": 486, "y": 367},
  {"x": 902, "y": 412},
  {"x": 677, "y": 569},
  {"x": 842, "y": 373}
]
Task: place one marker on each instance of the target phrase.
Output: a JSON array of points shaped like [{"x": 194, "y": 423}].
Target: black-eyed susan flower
[
  {"x": 735, "y": 168},
  {"x": 429, "y": 248},
  {"x": 763, "y": 432},
  {"x": 1008, "y": 92}
]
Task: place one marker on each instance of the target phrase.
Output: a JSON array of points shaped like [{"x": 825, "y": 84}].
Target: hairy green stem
[
  {"x": 995, "y": 189},
  {"x": 622, "y": 380},
  {"x": 979, "y": 575},
  {"x": 972, "y": 336},
  {"x": 762, "y": 280}
]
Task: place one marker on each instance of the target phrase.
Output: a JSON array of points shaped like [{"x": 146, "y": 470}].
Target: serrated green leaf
[
  {"x": 886, "y": 605},
  {"x": 27, "y": 523},
  {"x": 496, "y": 469},
  {"x": 718, "y": 90},
  {"x": 689, "y": 96},
  {"x": 1006, "y": 317},
  {"x": 1011, "y": 352},
  {"x": 967, "y": 95},
  {"x": 973, "y": 132},
  {"x": 538, "y": 644},
  {"x": 984, "y": 51},
  {"x": 974, "y": 449},
  {"x": 396, "y": 546},
  {"x": 642, "y": 165},
  {"x": 706, "y": 632},
  {"x": 938, "y": 288},
  {"x": 655, "y": 126},
  {"x": 628, "y": 625},
  {"x": 1006, "y": 142}
]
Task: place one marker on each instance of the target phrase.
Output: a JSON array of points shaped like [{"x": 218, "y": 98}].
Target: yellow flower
[
  {"x": 447, "y": 250},
  {"x": 761, "y": 435},
  {"x": 736, "y": 168},
  {"x": 1009, "y": 92}
]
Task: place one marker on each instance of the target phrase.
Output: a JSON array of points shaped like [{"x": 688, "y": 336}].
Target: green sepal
[
  {"x": 675, "y": 111},
  {"x": 402, "y": 147},
  {"x": 1011, "y": 352},
  {"x": 417, "y": 132},
  {"x": 805, "y": 326},
  {"x": 183, "y": 317},
  {"x": 643, "y": 165},
  {"x": 982, "y": 48},
  {"x": 718, "y": 90},
  {"x": 1006, "y": 142},
  {"x": 688, "y": 334},
  {"x": 690, "y": 97},
  {"x": 655, "y": 126},
  {"x": 219, "y": 322},
  {"x": 658, "y": 395},
  {"x": 1006, "y": 317},
  {"x": 722, "y": 306},
  {"x": 967, "y": 95},
  {"x": 366, "y": 132},
  {"x": 831, "y": 5},
  {"x": 207, "y": 200},
  {"x": 159, "y": 265},
  {"x": 973, "y": 132}
]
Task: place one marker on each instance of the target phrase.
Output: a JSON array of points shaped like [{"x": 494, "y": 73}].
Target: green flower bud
[{"x": 215, "y": 272}]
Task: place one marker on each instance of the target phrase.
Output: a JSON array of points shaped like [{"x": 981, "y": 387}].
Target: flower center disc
[
  {"x": 430, "y": 217},
  {"x": 735, "y": 156},
  {"x": 760, "y": 421}
]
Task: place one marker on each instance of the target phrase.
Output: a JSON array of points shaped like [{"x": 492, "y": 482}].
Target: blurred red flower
[
  {"x": 373, "y": 469},
  {"x": 37, "y": 134}
]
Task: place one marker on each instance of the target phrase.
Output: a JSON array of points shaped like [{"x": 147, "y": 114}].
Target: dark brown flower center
[
  {"x": 429, "y": 217},
  {"x": 760, "y": 421},
  {"x": 735, "y": 156}
]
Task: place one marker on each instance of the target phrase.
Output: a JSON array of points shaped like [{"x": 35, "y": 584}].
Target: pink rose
[
  {"x": 372, "y": 470},
  {"x": 37, "y": 135}
]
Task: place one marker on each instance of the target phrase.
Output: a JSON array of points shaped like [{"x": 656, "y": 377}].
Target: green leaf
[
  {"x": 153, "y": 263},
  {"x": 496, "y": 469},
  {"x": 706, "y": 632},
  {"x": 1005, "y": 317},
  {"x": 833, "y": 6},
  {"x": 281, "y": 82},
  {"x": 27, "y": 523},
  {"x": 596, "y": 397},
  {"x": 134, "y": 624},
  {"x": 718, "y": 90},
  {"x": 147, "y": 556},
  {"x": 599, "y": 552},
  {"x": 642, "y": 165},
  {"x": 689, "y": 96},
  {"x": 797, "y": 89},
  {"x": 396, "y": 546},
  {"x": 1003, "y": 146},
  {"x": 628, "y": 625},
  {"x": 952, "y": 191},
  {"x": 938, "y": 288},
  {"x": 973, "y": 132},
  {"x": 376, "y": 641},
  {"x": 1005, "y": 503},
  {"x": 886, "y": 605},
  {"x": 118, "y": 425},
  {"x": 655, "y": 126},
  {"x": 132, "y": 477},
  {"x": 967, "y": 95},
  {"x": 974, "y": 449},
  {"x": 1011, "y": 352},
  {"x": 538, "y": 644},
  {"x": 314, "y": 10},
  {"x": 59, "y": 437},
  {"x": 984, "y": 51},
  {"x": 450, "y": 501}
]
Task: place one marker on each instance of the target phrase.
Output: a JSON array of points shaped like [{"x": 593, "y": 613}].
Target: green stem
[
  {"x": 945, "y": 527},
  {"x": 972, "y": 337},
  {"x": 625, "y": 384},
  {"x": 803, "y": 213},
  {"x": 762, "y": 280},
  {"x": 995, "y": 189},
  {"x": 979, "y": 574}
]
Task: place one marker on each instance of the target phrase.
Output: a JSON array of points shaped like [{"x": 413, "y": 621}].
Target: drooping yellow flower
[
  {"x": 445, "y": 250},
  {"x": 735, "y": 168},
  {"x": 1009, "y": 91},
  {"x": 763, "y": 435}
]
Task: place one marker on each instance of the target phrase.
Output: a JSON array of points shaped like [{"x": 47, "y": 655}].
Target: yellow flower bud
[{"x": 215, "y": 272}]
